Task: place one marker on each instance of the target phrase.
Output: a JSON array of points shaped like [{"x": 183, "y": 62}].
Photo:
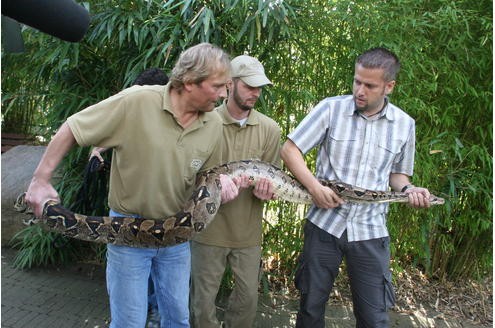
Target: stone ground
[{"x": 75, "y": 296}]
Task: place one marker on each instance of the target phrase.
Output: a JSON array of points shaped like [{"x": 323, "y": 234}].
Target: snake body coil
[{"x": 198, "y": 211}]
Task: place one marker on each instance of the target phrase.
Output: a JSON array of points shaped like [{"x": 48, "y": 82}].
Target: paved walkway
[{"x": 76, "y": 297}]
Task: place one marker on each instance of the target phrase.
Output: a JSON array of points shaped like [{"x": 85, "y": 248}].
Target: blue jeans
[{"x": 128, "y": 271}]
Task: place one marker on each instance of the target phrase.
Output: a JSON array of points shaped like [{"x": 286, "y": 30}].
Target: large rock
[{"x": 18, "y": 165}]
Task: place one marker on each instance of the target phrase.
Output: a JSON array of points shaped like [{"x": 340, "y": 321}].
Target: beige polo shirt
[
  {"x": 239, "y": 222},
  {"x": 155, "y": 160}
]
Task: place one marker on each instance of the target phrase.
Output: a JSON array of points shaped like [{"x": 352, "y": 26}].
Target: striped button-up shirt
[{"x": 360, "y": 151}]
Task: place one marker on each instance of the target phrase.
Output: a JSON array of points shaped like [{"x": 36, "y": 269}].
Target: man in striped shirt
[{"x": 366, "y": 141}]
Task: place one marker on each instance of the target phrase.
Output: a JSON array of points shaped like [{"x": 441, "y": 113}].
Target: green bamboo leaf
[
  {"x": 207, "y": 16},
  {"x": 244, "y": 28},
  {"x": 258, "y": 27},
  {"x": 122, "y": 36},
  {"x": 185, "y": 7},
  {"x": 197, "y": 16},
  {"x": 252, "y": 33},
  {"x": 138, "y": 36},
  {"x": 265, "y": 15},
  {"x": 130, "y": 27}
]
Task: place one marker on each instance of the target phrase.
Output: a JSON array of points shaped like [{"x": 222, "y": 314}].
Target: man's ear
[
  {"x": 230, "y": 84},
  {"x": 389, "y": 87},
  {"x": 188, "y": 86}
]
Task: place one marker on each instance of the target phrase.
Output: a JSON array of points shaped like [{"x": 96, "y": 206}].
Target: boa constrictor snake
[{"x": 198, "y": 211}]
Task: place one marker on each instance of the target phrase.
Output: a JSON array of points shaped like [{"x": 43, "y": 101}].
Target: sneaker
[{"x": 153, "y": 319}]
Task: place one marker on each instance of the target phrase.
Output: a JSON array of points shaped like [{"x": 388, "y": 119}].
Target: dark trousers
[{"x": 368, "y": 270}]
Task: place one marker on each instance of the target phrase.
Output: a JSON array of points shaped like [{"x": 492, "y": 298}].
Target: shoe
[{"x": 153, "y": 319}]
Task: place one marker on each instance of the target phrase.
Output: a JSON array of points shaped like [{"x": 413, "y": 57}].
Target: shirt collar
[
  {"x": 385, "y": 112},
  {"x": 228, "y": 119}
]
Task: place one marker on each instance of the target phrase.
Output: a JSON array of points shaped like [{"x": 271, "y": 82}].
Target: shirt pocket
[
  {"x": 386, "y": 152},
  {"x": 342, "y": 150}
]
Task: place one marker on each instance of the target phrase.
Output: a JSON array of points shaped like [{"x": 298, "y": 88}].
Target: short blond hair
[{"x": 197, "y": 63}]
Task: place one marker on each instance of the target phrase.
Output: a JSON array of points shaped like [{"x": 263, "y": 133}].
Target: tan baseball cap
[{"x": 249, "y": 70}]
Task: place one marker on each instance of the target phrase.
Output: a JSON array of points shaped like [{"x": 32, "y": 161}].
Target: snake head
[{"x": 20, "y": 204}]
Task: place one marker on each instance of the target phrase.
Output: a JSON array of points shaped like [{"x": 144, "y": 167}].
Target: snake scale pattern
[{"x": 198, "y": 211}]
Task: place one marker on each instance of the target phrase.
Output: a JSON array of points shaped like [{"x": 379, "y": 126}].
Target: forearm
[
  {"x": 398, "y": 181},
  {"x": 58, "y": 147},
  {"x": 294, "y": 160},
  {"x": 40, "y": 189}
]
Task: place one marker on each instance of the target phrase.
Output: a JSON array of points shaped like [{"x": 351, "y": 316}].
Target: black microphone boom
[{"x": 64, "y": 19}]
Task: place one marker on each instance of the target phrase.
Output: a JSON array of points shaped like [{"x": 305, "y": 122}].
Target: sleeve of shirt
[
  {"x": 312, "y": 129},
  {"x": 100, "y": 124},
  {"x": 404, "y": 161}
]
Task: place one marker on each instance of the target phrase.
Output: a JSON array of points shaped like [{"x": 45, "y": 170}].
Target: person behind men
[
  {"x": 363, "y": 140},
  {"x": 234, "y": 237},
  {"x": 150, "y": 76},
  {"x": 162, "y": 136}
]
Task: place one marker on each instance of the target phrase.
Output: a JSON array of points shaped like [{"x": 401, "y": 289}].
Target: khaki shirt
[
  {"x": 239, "y": 222},
  {"x": 155, "y": 160}
]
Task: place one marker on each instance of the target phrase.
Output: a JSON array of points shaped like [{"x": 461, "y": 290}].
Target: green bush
[{"x": 41, "y": 248}]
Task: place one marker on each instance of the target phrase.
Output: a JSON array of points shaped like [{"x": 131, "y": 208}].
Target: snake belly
[{"x": 198, "y": 211}]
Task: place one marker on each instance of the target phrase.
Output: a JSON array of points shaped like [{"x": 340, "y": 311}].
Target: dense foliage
[{"x": 445, "y": 47}]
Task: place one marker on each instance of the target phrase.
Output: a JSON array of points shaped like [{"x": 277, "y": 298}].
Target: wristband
[{"x": 407, "y": 186}]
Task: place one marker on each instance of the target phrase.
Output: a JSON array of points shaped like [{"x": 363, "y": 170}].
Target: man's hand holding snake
[
  {"x": 38, "y": 193},
  {"x": 264, "y": 190},
  {"x": 232, "y": 186},
  {"x": 418, "y": 197},
  {"x": 324, "y": 197}
]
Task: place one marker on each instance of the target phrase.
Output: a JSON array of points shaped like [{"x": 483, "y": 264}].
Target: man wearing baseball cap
[{"x": 234, "y": 237}]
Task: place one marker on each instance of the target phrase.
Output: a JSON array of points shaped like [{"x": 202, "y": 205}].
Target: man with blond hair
[{"x": 161, "y": 136}]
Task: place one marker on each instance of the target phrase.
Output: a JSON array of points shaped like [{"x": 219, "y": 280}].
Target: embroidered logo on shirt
[{"x": 196, "y": 164}]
